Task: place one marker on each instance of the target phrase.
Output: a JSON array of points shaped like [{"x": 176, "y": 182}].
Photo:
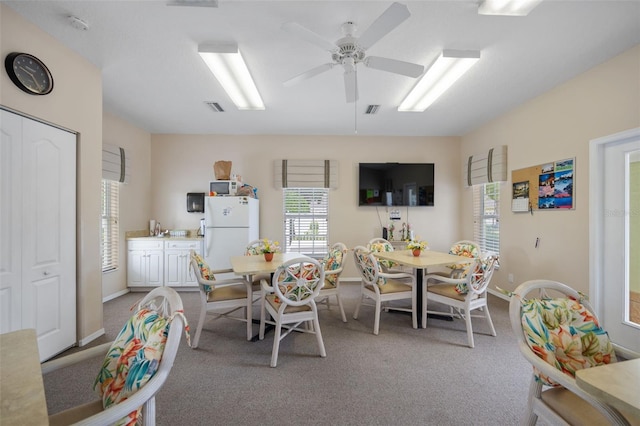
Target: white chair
[
  {"x": 377, "y": 245},
  {"x": 545, "y": 329},
  {"x": 221, "y": 298},
  {"x": 289, "y": 299},
  {"x": 158, "y": 310},
  {"x": 464, "y": 248},
  {"x": 461, "y": 295},
  {"x": 333, "y": 265},
  {"x": 383, "y": 287}
]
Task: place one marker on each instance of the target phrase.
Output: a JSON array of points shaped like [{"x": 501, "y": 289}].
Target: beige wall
[
  {"x": 184, "y": 163},
  {"x": 554, "y": 126},
  {"x": 75, "y": 104},
  {"x": 135, "y": 196}
]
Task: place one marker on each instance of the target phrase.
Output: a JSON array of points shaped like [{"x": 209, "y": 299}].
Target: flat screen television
[{"x": 395, "y": 184}]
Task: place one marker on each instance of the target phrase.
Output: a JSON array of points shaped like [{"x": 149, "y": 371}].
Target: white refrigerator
[{"x": 230, "y": 224}]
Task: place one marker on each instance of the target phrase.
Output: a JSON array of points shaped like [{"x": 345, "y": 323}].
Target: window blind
[
  {"x": 109, "y": 237},
  {"x": 306, "y": 174},
  {"x": 486, "y": 217},
  {"x": 306, "y": 220},
  {"x": 486, "y": 167},
  {"x": 116, "y": 163}
]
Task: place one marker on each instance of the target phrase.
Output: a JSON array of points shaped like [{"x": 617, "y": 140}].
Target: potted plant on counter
[
  {"x": 268, "y": 248},
  {"x": 416, "y": 246}
]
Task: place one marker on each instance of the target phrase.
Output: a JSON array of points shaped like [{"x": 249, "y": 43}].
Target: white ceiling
[{"x": 154, "y": 78}]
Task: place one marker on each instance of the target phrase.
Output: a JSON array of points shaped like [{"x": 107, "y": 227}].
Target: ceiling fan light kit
[
  {"x": 227, "y": 65},
  {"x": 445, "y": 71},
  {"x": 507, "y": 7}
]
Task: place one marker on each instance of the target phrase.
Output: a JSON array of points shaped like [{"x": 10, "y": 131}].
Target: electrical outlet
[
  {"x": 394, "y": 215},
  {"x": 510, "y": 278}
]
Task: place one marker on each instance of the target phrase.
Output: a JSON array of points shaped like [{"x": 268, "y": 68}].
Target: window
[
  {"x": 486, "y": 216},
  {"x": 306, "y": 220},
  {"x": 109, "y": 235}
]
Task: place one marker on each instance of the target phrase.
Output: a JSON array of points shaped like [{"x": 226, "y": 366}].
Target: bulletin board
[{"x": 548, "y": 186}]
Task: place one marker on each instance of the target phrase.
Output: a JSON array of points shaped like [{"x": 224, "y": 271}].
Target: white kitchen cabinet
[
  {"x": 177, "y": 272},
  {"x": 145, "y": 263}
]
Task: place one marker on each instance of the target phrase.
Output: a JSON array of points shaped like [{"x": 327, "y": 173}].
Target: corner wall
[
  {"x": 556, "y": 125},
  {"x": 75, "y": 104}
]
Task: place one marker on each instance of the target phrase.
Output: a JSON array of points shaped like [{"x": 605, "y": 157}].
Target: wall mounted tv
[{"x": 395, "y": 184}]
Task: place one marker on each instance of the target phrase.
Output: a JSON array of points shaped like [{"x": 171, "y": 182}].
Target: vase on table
[
  {"x": 268, "y": 257},
  {"x": 416, "y": 252}
]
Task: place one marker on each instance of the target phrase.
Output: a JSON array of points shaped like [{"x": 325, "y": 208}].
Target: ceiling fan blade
[
  {"x": 308, "y": 74},
  {"x": 392, "y": 17},
  {"x": 350, "y": 86},
  {"x": 310, "y": 36},
  {"x": 393, "y": 65}
]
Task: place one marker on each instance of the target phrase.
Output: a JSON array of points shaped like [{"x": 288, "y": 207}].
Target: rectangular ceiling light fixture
[
  {"x": 199, "y": 3},
  {"x": 227, "y": 65},
  {"x": 507, "y": 7},
  {"x": 446, "y": 70}
]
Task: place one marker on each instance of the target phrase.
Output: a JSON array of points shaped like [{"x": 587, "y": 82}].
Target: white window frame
[
  {"x": 109, "y": 228},
  {"x": 298, "y": 226},
  {"x": 486, "y": 217}
]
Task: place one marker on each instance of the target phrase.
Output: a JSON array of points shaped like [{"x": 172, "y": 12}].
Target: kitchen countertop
[{"x": 144, "y": 236}]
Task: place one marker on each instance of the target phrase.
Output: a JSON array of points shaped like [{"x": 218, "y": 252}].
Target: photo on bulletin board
[{"x": 555, "y": 185}]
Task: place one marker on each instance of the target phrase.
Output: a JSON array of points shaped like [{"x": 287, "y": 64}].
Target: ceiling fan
[{"x": 349, "y": 51}]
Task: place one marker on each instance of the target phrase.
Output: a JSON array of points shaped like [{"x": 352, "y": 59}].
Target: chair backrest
[
  {"x": 547, "y": 326},
  {"x": 334, "y": 261},
  {"x": 380, "y": 245},
  {"x": 253, "y": 248},
  {"x": 144, "y": 367},
  {"x": 203, "y": 274},
  {"x": 298, "y": 281},
  {"x": 465, "y": 248},
  {"x": 368, "y": 266},
  {"x": 479, "y": 276}
]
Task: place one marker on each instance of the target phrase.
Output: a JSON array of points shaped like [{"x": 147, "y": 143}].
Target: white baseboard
[
  {"x": 115, "y": 295},
  {"x": 90, "y": 338}
]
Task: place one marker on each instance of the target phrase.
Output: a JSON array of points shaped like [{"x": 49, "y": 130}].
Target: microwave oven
[{"x": 223, "y": 187}]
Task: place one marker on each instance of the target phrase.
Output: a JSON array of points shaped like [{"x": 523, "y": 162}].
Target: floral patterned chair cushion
[
  {"x": 298, "y": 283},
  {"x": 369, "y": 268},
  {"x": 132, "y": 360},
  {"x": 566, "y": 335},
  {"x": 465, "y": 250},
  {"x": 331, "y": 262},
  {"x": 204, "y": 270},
  {"x": 380, "y": 247},
  {"x": 481, "y": 267}
]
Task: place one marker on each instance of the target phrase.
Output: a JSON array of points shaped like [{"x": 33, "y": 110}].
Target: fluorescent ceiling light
[
  {"x": 449, "y": 67},
  {"x": 507, "y": 7},
  {"x": 201, "y": 3},
  {"x": 227, "y": 65}
]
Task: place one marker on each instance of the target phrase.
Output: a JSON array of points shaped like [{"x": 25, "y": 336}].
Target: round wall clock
[{"x": 29, "y": 73}]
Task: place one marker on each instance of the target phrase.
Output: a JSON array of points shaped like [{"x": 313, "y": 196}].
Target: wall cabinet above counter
[{"x": 156, "y": 262}]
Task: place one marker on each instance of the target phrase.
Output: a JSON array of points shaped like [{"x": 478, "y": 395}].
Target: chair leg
[
  {"x": 196, "y": 339},
  {"x": 467, "y": 319},
  {"x": 357, "y": 311},
  {"x": 488, "y": 318},
  {"x": 535, "y": 389},
  {"x": 344, "y": 318},
  {"x": 249, "y": 316},
  {"x": 316, "y": 325},
  {"x": 149, "y": 412},
  {"x": 376, "y": 321},
  {"x": 424, "y": 306},
  {"x": 276, "y": 343},
  {"x": 262, "y": 319}
]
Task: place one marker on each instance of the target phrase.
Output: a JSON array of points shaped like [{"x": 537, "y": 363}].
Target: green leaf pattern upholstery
[
  {"x": 381, "y": 247},
  {"x": 331, "y": 262},
  {"x": 132, "y": 360},
  {"x": 298, "y": 283},
  {"x": 466, "y": 250},
  {"x": 566, "y": 335},
  {"x": 204, "y": 270}
]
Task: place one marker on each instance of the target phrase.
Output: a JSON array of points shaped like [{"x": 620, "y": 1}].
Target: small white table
[
  {"x": 22, "y": 398},
  {"x": 617, "y": 384}
]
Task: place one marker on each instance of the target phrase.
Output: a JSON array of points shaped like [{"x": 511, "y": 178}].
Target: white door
[
  {"x": 10, "y": 222},
  {"x": 615, "y": 238},
  {"x": 49, "y": 230}
]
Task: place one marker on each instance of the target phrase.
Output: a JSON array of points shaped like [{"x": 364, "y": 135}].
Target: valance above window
[
  {"x": 486, "y": 167},
  {"x": 115, "y": 163},
  {"x": 306, "y": 174}
]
